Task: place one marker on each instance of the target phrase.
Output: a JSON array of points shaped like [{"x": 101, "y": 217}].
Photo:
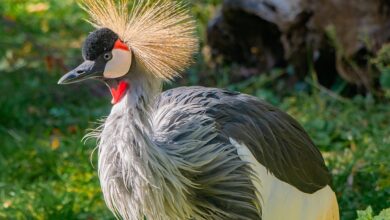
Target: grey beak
[{"x": 87, "y": 70}]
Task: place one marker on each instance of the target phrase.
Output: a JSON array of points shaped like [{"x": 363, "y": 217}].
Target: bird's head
[
  {"x": 106, "y": 58},
  {"x": 151, "y": 39}
]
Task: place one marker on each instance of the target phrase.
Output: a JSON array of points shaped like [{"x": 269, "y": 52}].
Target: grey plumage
[
  {"x": 180, "y": 159},
  {"x": 275, "y": 138},
  {"x": 190, "y": 153}
]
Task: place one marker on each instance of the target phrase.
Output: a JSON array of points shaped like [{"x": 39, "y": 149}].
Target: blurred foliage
[
  {"x": 368, "y": 214},
  {"x": 353, "y": 137},
  {"x": 46, "y": 172},
  {"x": 382, "y": 62}
]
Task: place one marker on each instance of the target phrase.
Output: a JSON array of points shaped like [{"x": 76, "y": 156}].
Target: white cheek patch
[{"x": 119, "y": 65}]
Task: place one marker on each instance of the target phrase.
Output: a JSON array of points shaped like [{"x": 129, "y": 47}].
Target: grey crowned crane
[{"x": 190, "y": 153}]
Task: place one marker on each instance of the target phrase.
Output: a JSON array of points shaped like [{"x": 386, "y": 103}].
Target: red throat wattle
[{"x": 118, "y": 92}]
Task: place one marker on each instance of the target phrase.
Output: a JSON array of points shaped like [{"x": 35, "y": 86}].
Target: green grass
[
  {"x": 45, "y": 169},
  {"x": 46, "y": 172},
  {"x": 354, "y": 140},
  {"x": 42, "y": 179}
]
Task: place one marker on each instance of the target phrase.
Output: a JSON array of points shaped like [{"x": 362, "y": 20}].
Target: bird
[{"x": 190, "y": 153}]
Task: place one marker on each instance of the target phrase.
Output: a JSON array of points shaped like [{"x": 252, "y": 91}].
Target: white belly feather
[{"x": 281, "y": 201}]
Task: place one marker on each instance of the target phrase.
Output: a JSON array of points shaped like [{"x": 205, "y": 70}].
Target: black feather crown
[{"x": 98, "y": 42}]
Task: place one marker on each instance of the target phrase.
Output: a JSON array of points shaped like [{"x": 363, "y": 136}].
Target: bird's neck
[
  {"x": 140, "y": 95},
  {"x": 127, "y": 154},
  {"x": 129, "y": 125}
]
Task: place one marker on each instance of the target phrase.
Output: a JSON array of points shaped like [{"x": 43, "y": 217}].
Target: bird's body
[
  {"x": 191, "y": 153},
  {"x": 202, "y": 135}
]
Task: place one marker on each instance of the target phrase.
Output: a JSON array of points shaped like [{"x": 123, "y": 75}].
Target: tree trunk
[{"x": 337, "y": 36}]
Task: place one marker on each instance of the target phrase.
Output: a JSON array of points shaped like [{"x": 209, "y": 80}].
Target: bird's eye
[{"x": 107, "y": 56}]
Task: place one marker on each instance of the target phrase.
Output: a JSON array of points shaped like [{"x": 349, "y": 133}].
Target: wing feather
[{"x": 276, "y": 140}]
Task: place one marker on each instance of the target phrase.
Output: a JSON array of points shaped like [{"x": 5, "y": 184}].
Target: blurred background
[{"x": 326, "y": 62}]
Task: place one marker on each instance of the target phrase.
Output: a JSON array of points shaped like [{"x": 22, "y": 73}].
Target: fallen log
[{"x": 331, "y": 37}]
